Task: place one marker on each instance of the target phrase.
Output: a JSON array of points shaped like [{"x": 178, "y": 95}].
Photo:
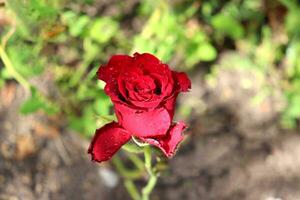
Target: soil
[{"x": 234, "y": 150}]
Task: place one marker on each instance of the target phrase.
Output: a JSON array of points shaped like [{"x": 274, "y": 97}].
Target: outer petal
[
  {"x": 169, "y": 104},
  {"x": 116, "y": 65},
  {"x": 183, "y": 81},
  {"x": 147, "y": 61},
  {"x": 150, "y": 64},
  {"x": 169, "y": 143},
  {"x": 107, "y": 141},
  {"x": 143, "y": 123},
  {"x": 112, "y": 92}
]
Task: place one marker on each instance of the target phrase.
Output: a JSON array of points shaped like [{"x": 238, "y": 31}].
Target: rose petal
[
  {"x": 141, "y": 88},
  {"x": 110, "y": 72},
  {"x": 165, "y": 82},
  {"x": 112, "y": 92},
  {"x": 169, "y": 104},
  {"x": 147, "y": 61},
  {"x": 121, "y": 87},
  {"x": 143, "y": 123},
  {"x": 183, "y": 82},
  {"x": 115, "y": 66},
  {"x": 150, "y": 64},
  {"x": 107, "y": 141},
  {"x": 153, "y": 103},
  {"x": 169, "y": 143},
  {"x": 123, "y": 81}
]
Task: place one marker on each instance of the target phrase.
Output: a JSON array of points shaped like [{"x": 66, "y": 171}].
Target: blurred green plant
[
  {"x": 182, "y": 33},
  {"x": 70, "y": 39},
  {"x": 83, "y": 41},
  {"x": 267, "y": 32},
  {"x": 175, "y": 34},
  {"x": 292, "y": 64}
]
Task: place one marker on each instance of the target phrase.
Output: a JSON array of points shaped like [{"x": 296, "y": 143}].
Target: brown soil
[{"x": 235, "y": 150}]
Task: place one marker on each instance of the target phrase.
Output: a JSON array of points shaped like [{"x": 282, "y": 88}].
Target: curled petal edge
[
  {"x": 107, "y": 141},
  {"x": 170, "y": 142}
]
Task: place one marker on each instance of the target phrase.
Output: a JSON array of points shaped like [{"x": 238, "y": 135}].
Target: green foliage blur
[{"x": 70, "y": 39}]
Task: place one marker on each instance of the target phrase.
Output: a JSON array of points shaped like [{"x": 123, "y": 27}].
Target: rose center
[
  {"x": 144, "y": 85},
  {"x": 143, "y": 88}
]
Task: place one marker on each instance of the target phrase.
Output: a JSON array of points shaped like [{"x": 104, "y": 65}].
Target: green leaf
[
  {"x": 31, "y": 105},
  {"x": 2, "y": 82},
  {"x": 37, "y": 102},
  {"x": 292, "y": 21},
  {"x": 91, "y": 49},
  {"x": 26, "y": 59},
  {"x": 227, "y": 25},
  {"x": 293, "y": 110},
  {"x": 32, "y": 15},
  {"x": 4, "y": 74},
  {"x": 78, "y": 26},
  {"x": 103, "y": 29},
  {"x": 85, "y": 124},
  {"x": 143, "y": 45},
  {"x": 102, "y": 105},
  {"x": 68, "y": 17},
  {"x": 204, "y": 52}
]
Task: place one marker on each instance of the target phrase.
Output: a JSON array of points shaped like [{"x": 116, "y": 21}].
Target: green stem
[
  {"x": 10, "y": 68},
  {"x": 130, "y": 175},
  {"x": 7, "y": 62},
  {"x": 127, "y": 174},
  {"x": 136, "y": 161},
  {"x": 148, "y": 158},
  {"x": 132, "y": 190},
  {"x": 132, "y": 148},
  {"x": 79, "y": 72},
  {"x": 146, "y": 191}
]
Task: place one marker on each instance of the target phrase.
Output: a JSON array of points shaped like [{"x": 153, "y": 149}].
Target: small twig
[
  {"x": 8, "y": 64},
  {"x": 7, "y": 36}
]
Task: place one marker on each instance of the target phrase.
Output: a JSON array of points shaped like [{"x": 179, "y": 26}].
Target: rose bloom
[{"x": 143, "y": 91}]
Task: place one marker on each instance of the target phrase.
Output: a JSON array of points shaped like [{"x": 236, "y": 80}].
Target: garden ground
[{"x": 234, "y": 150}]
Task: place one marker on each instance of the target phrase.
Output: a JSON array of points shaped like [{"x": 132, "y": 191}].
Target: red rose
[{"x": 143, "y": 91}]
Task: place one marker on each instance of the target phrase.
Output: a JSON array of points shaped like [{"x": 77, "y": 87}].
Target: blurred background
[{"x": 243, "y": 110}]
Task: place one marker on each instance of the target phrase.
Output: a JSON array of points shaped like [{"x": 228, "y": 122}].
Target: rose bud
[{"x": 143, "y": 91}]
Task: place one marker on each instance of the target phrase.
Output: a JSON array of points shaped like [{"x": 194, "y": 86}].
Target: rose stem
[
  {"x": 125, "y": 173},
  {"x": 146, "y": 191},
  {"x": 129, "y": 176},
  {"x": 132, "y": 190}
]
